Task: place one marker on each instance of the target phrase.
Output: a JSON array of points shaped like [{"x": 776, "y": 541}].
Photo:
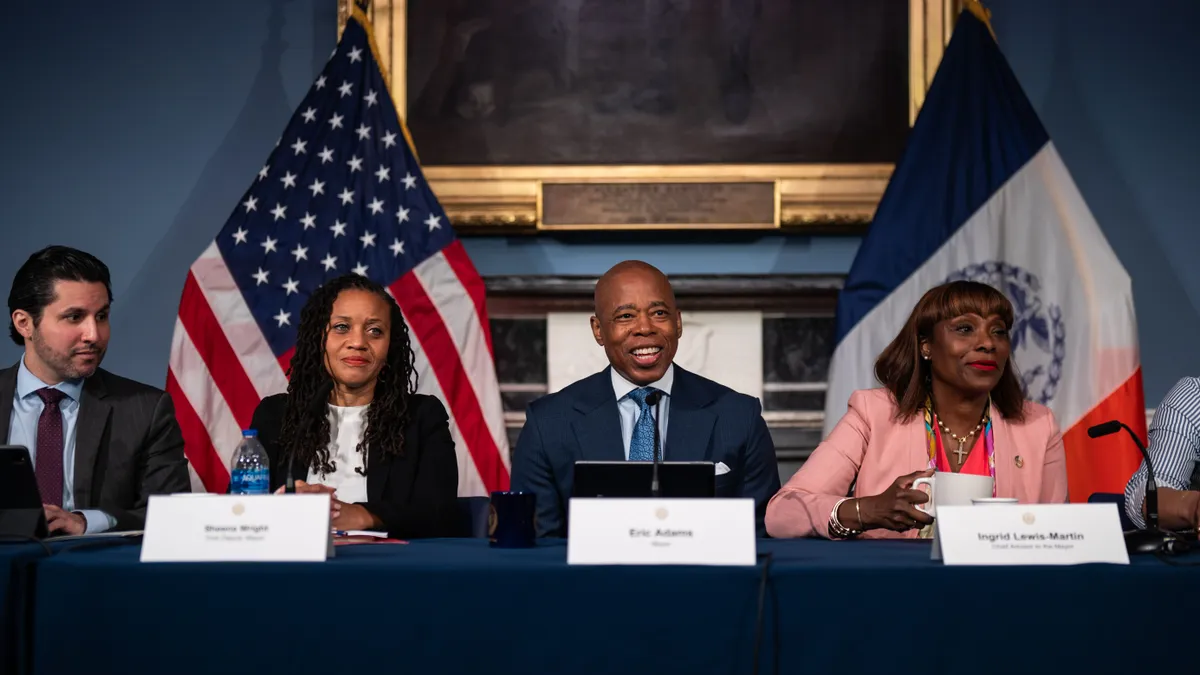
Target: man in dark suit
[
  {"x": 100, "y": 444},
  {"x": 606, "y": 416}
]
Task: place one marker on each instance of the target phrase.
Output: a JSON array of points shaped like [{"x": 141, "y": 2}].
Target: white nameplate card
[
  {"x": 612, "y": 531},
  {"x": 237, "y": 528},
  {"x": 1031, "y": 534}
]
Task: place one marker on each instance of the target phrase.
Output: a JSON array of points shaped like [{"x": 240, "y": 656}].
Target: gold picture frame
[{"x": 807, "y": 197}]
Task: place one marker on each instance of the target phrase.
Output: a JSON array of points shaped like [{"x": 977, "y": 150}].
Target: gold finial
[{"x": 982, "y": 13}]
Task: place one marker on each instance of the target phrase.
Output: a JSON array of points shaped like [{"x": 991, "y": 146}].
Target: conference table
[
  {"x": 458, "y": 605},
  {"x": 18, "y": 560}
]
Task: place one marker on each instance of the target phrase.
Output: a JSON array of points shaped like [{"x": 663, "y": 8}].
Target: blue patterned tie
[{"x": 641, "y": 446}]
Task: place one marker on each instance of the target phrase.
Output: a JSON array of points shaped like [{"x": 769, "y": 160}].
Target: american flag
[{"x": 341, "y": 192}]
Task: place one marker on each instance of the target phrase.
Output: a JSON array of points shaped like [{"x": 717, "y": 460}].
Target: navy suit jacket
[{"x": 707, "y": 422}]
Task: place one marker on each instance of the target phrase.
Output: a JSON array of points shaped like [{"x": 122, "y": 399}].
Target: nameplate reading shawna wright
[
  {"x": 611, "y": 531},
  {"x": 1031, "y": 534},
  {"x": 237, "y": 528}
]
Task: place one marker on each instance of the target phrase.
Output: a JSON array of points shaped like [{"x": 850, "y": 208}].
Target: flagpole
[
  {"x": 982, "y": 13},
  {"x": 359, "y": 10}
]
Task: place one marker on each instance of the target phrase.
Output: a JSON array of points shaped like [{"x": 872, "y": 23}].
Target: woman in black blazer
[{"x": 352, "y": 424}]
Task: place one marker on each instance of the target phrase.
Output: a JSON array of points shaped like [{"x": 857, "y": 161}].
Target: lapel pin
[{"x": 1018, "y": 461}]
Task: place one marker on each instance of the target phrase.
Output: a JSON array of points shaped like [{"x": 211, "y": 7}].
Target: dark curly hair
[{"x": 304, "y": 435}]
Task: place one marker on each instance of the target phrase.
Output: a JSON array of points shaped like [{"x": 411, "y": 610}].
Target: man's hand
[
  {"x": 65, "y": 522},
  {"x": 1177, "y": 509}
]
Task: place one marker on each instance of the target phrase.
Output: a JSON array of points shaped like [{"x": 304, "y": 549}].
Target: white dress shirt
[
  {"x": 629, "y": 409},
  {"x": 22, "y": 430},
  {"x": 346, "y": 425}
]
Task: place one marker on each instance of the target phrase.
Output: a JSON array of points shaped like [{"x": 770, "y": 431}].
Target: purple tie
[{"x": 50, "y": 447}]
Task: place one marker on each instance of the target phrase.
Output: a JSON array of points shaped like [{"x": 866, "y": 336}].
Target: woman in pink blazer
[{"x": 951, "y": 401}]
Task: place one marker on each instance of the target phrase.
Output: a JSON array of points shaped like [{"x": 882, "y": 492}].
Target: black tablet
[
  {"x": 21, "y": 514},
  {"x": 632, "y": 479}
]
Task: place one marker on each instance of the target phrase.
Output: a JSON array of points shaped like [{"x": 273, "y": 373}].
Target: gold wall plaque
[{"x": 638, "y": 205}]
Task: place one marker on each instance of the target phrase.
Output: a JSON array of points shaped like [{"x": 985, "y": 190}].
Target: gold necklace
[{"x": 962, "y": 439}]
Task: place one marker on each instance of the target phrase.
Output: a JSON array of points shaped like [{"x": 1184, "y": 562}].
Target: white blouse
[{"x": 346, "y": 428}]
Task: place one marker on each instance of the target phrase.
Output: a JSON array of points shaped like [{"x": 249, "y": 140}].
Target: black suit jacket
[
  {"x": 127, "y": 445},
  {"x": 415, "y": 495},
  {"x": 707, "y": 422}
]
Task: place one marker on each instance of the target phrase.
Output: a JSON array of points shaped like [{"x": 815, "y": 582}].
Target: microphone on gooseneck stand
[
  {"x": 653, "y": 399},
  {"x": 290, "y": 484},
  {"x": 1152, "y": 539}
]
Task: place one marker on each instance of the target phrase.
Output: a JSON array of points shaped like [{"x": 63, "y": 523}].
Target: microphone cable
[
  {"x": 26, "y": 539},
  {"x": 763, "y": 582},
  {"x": 104, "y": 542}
]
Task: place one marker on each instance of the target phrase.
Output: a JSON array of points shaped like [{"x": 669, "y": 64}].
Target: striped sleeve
[{"x": 1174, "y": 446}]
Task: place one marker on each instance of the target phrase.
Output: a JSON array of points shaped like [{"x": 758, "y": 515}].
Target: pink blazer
[{"x": 870, "y": 449}]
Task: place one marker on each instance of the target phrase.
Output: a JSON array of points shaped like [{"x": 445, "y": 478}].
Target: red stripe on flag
[
  {"x": 223, "y": 364},
  {"x": 426, "y": 325},
  {"x": 469, "y": 277},
  {"x": 196, "y": 443},
  {"x": 1105, "y": 464}
]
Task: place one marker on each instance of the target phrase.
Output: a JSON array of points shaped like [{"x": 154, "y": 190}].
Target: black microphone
[
  {"x": 1152, "y": 538},
  {"x": 653, "y": 399},
  {"x": 1111, "y": 427},
  {"x": 289, "y": 487}
]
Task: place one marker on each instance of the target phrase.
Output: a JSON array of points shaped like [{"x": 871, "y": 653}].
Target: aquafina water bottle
[{"x": 251, "y": 473}]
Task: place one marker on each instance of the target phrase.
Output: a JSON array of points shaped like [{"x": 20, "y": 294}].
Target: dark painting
[{"x": 532, "y": 82}]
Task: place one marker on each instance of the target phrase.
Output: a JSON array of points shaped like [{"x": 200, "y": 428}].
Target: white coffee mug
[
  {"x": 952, "y": 489},
  {"x": 994, "y": 501}
]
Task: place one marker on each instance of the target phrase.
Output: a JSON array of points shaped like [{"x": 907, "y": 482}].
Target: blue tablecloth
[
  {"x": 885, "y": 607},
  {"x": 460, "y": 606},
  {"x": 16, "y": 584}
]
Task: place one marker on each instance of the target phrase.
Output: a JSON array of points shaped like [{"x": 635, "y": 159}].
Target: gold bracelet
[
  {"x": 836, "y": 529},
  {"x": 858, "y": 512}
]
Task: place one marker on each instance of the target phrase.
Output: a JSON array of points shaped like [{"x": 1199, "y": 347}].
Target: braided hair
[{"x": 304, "y": 435}]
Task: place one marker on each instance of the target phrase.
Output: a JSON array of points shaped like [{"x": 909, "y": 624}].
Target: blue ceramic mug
[{"x": 512, "y": 520}]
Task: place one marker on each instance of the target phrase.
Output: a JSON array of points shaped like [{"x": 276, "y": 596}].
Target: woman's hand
[
  {"x": 893, "y": 509},
  {"x": 355, "y": 517},
  {"x": 303, "y": 488}
]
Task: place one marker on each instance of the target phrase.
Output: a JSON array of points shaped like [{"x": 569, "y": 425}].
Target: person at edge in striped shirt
[{"x": 1175, "y": 451}]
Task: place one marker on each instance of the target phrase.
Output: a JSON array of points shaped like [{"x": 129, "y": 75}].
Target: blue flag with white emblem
[{"x": 981, "y": 193}]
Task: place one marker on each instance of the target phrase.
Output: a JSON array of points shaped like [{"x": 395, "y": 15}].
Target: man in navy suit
[{"x": 606, "y": 416}]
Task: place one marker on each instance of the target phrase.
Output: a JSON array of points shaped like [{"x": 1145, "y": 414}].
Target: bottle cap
[{"x": 249, "y": 433}]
